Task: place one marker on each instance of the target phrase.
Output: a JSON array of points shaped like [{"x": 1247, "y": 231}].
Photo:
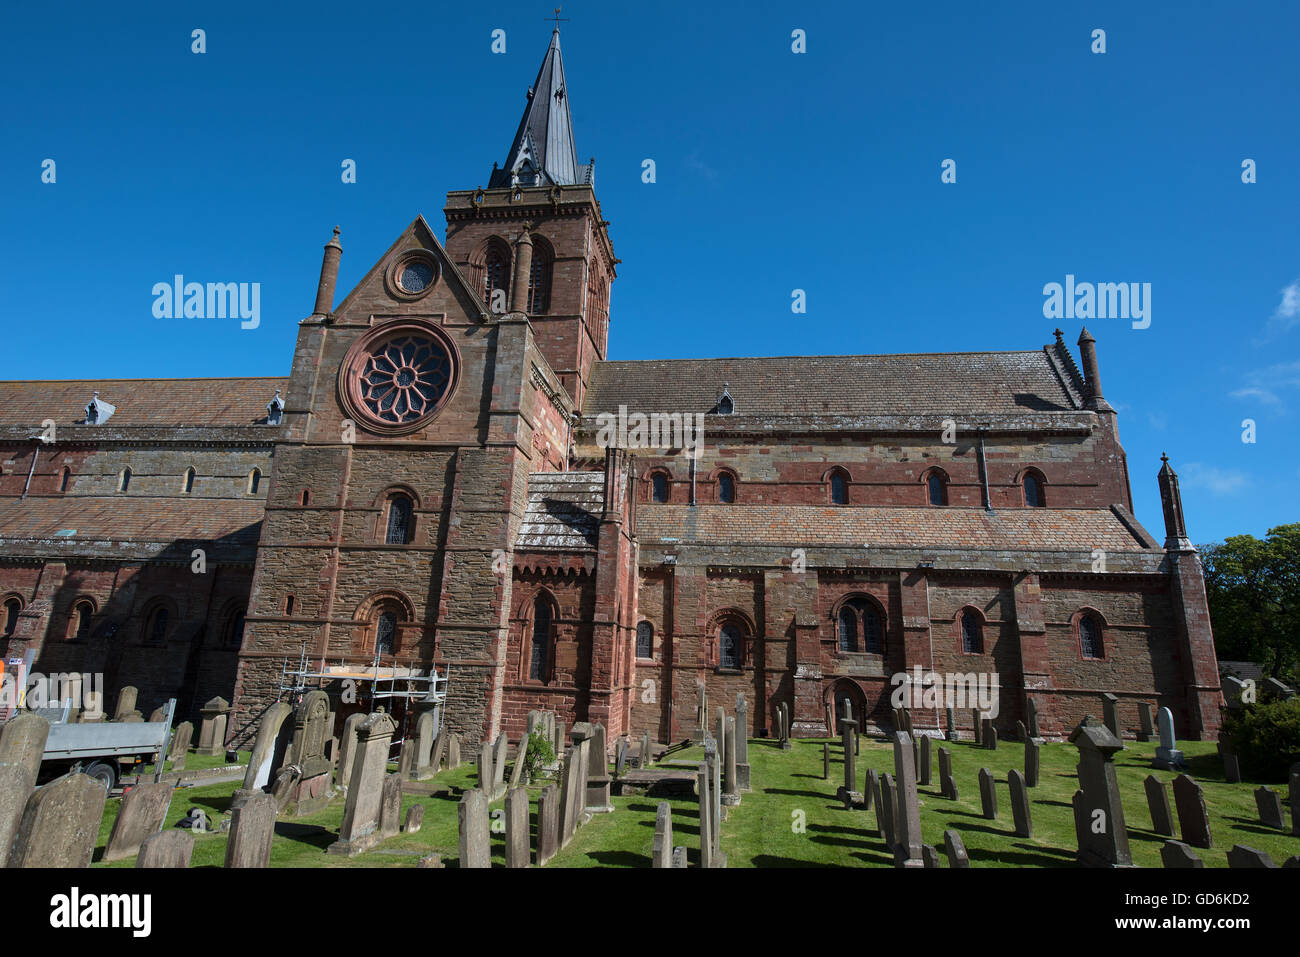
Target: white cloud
[
  {"x": 1287, "y": 313},
  {"x": 1263, "y": 385},
  {"x": 1211, "y": 477}
]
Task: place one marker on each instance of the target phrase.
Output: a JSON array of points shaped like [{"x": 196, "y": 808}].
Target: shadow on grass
[
  {"x": 618, "y": 859},
  {"x": 805, "y": 794},
  {"x": 769, "y": 860},
  {"x": 310, "y": 834}
]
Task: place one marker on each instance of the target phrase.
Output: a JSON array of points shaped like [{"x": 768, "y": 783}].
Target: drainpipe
[
  {"x": 984, "y": 470},
  {"x": 28, "y": 484},
  {"x": 692, "y": 458}
]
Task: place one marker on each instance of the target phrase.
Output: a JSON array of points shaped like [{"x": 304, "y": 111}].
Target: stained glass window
[
  {"x": 1090, "y": 637},
  {"x": 541, "y": 639},
  {"x": 645, "y": 640},
  {"x": 404, "y": 378},
  {"x": 972, "y": 634},
  {"x": 936, "y": 489},
  {"x": 1033, "y": 491},
  {"x": 399, "y": 520},
  {"x": 415, "y": 276},
  {"x": 839, "y": 489},
  {"x": 386, "y": 633},
  {"x": 848, "y": 629},
  {"x": 659, "y": 481},
  {"x": 726, "y": 488},
  {"x": 729, "y": 648}
]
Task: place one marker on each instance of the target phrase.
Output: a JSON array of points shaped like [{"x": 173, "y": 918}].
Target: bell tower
[{"x": 533, "y": 241}]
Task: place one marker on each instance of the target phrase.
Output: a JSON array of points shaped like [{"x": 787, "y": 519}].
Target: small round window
[{"x": 414, "y": 275}]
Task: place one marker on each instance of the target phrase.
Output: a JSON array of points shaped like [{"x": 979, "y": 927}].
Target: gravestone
[
  {"x": 424, "y": 767},
  {"x": 846, "y": 793},
  {"x": 1168, "y": 757},
  {"x": 1269, "y": 803},
  {"x": 179, "y": 752},
  {"x": 573, "y": 801},
  {"x": 311, "y": 792},
  {"x": 414, "y": 819},
  {"x": 22, "y": 745},
  {"x": 1110, "y": 714},
  {"x": 453, "y": 751},
  {"x": 924, "y": 772},
  {"x": 1273, "y": 689},
  {"x": 1242, "y": 856},
  {"x": 252, "y": 826},
  {"x": 976, "y": 732},
  {"x": 644, "y": 757},
  {"x": 15, "y": 789},
  {"x": 907, "y": 816},
  {"x": 1099, "y": 815},
  {"x": 598, "y": 780},
  {"x": 990, "y": 735},
  {"x": 517, "y": 837},
  {"x": 785, "y": 727},
  {"x": 1146, "y": 721},
  {"x": 620, "y": 756},
  {"x": 947, "y": 786},
  {"x": 166, "y": 849},
  {"x": 500, "y": 749},
  {"x": 60, "y": 824},
  {"x": 521, "y": 752},
  {"x": 1178, "y": 854},
  {"x": 268, "y": 751},
  {"x": 360, "y": 829},
  {"x": 679, "y": 857},
  {"x": 878, "y": 799},
  {"x": 1033, "y": 760},
  {"x": 661, "y": 853},
  {"x": 888, "y": 806},
  {"x": 1231, "y": 767},
  {"x": 212, "y": 727},
  {"x": 830, "y": 720},
  {"x": 930, "y": 854},
  {"x": 826, "y": 762},
  {"x": 870, "y": 789},
  {"x": 731, "y": 794},
  {"x": 348, "y": 747},
  {"x": 1293, "y": 795},
  {"x": 955, "y": 849},
  {"x": 742, "y": 742},
  {"x": 1031, "y": 712},
  {"x": 720, "y": 728},
  {"x": 701, "y": 713},
  {"x": 390, "y": 806},
  {"x": 1021, "y": 733},
  {"x": 486, "y": 776},
  {"x": 951, "y": 734},
  {"x": 1234, "y": 690},
  {"x": 557, "y": 739},
  {"x": 475, "y": 842},
  {"x": 140, "y": 816},
  {"x": 126, "y": 710},
  {"x": 548, "y": 823},
  {"x": 1193, "y": 820},
  {"x": 1162, "y": 821},
  {"x": 988, "y": 795},
  {"x": 1020, "y": 814},
  {"x": 703, "y": 784}
]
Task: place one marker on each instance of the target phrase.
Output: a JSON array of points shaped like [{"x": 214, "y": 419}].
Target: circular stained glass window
[
  {"x": 402, "y": 379},
  {"x": 415, "y": 276}
]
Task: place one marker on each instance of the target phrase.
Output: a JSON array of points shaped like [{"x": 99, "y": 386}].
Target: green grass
[{"x": 761, "y": 832}]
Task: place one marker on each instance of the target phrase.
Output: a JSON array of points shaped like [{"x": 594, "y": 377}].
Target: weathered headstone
[
  {"x": 179, "y": 751},
  {"x": 703, "y": 785},
  {"x": 1269, "y": 803},
  {"x": 598, "y": 780},
  {"x": 1020, "y": 814},
  {"x": 846, "y": 793},
  {"x": 907, "y": 817},
  {"x": 988, "y": 795},
  {"x": 826, "y": 762},
  {"x": 620, "y": 756},
  {"x": 212, "y": 727},
  {"x": 1099, "y": 815},
  {"x": 268, "y": 750},
  {"x": 1178, "y": 854},
  {"x": 947, "y": 786},
  {"x": 955, "y": 849},
  {"x": 951, "y": 715},
  {"x": 60, "y": 824},
  {"x": 311, "y": 791},
  {"x": 1193, "y": 819},
  {"x": 701, "y": 713},
  {"x": 1162, "y": 821},
  {"x": 1242, "y": 856},
  {"x": 424, "y": 766},
  {"x": 731, "y": 793},
  {"x": 500, "y": 749},
  {"x": 390, "y": 806},
  {"x": 1033, "y": 761},
  {"x": 486, "y": 775},
  {"x": 521, "y": 752},
  {"x": 645, "y": 757},
  {"x": 140, "y": 816},
  {"x": 990, "y": 735},
  {"x": 1021, "y": 732},
  {"x": 360, "y": 829},
  {"x": 1293, "y": 795},
  {"x": 888, "y": 806},
  {"x": 1031, "y": 712},
  {"x": 453, "y": 751},
  {"x": 22, "y": 745},
  {"x": 517, "y": 836},
  {"x": 548, "y": 823},
  {"x": 166, "y": 849},
  {"x": 742, "y": 742},
  {"x": 126, "y": 710},
  {"x": 348, "y": 747},
  {"x": 930, "y": 855},
  {"x": 475, "y": 842},
  {"x": 1110, "y": 714},
  {"x": 252, "y": 826},
  {"x": 414, "y": 819},
  {"x": 870, "y": 789},
  {"x": 1146, "y": 721},
  {"x": 924, "y": 773},
  {"x": 1168, "y": 757},
  {"x": 661, "y": 854},
  {"x": 1234, "y": 691},
  {"x": 1231, "y": 767}
]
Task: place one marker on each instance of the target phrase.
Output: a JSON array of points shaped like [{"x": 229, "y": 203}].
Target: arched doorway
[{"x": 846, "y": 690}]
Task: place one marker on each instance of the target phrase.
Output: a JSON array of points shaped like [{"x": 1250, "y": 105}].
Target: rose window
[{"x": 403, "y": 379}]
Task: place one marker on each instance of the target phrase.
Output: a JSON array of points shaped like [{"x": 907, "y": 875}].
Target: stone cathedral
[{"x": 427, "y": 487}]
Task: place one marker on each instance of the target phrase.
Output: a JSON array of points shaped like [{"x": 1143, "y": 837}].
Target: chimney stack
[
  {"x": 329, "y": 274},
  {"x": 1091, "y": 372}
]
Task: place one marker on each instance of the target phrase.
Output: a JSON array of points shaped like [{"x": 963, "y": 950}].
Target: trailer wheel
[{"x": 104, "y": 773}]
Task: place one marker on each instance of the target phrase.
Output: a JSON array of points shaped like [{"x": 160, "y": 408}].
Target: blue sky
[{"x": 775, "y": 171}]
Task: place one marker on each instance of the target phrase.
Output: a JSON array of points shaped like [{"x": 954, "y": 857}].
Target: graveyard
[{"x": 429, "y": 809}]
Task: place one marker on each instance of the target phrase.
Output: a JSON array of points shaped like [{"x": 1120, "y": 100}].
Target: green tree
[{"x": 1253, "y": 588}]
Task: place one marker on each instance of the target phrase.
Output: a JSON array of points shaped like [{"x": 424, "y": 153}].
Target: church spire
[{"x": 543, "y": 153}]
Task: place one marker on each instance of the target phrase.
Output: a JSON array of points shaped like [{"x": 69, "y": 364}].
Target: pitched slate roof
[
  {"x": 127, "y": 518},
  {"x": 793, "y": 526},
  {"x": 563, "y": 510},
  {"x": 914, "y": 384},
  {"x": 141, "y": 402}
]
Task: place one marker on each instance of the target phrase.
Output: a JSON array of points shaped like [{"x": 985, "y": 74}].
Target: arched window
[
  {"x": 288, "y": 605},
  {"x": 1090, "y": 641},
  {"x": 82, "y": 612},
  {"x": 12, "y": 607},
  {"x": 188, "y": 485},
  {"x": 124, "y": 480},
  {"x": 839, "y": 487},
  {"x": 386, "y": 633},
  {"x": 399, "y": 520},
  {"x": 254, "y": 481},
  {"x": 235, "y": 630},
  {"x": 1034, "y": 497},
  {"x": 539, "y": 655},
  {"x": 306, "y": 496},
  {"x": 731, "y": 645},
  {"x": 645, "y": 640},
  {"x": 858, "y": 626},
  {"x": 972, "y": 632},
  {"x": 936, "y": 487},
  {"x": 65, "y": 479},
  {"x": 659, "y": 487},
  {"x": 726, "y": 488},
  {"x": 155, "y": 626},
  {"x": 539, "y": 278},
  {"x": 491, "y": 272}
]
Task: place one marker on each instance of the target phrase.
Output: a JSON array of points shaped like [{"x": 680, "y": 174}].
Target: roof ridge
[{"x": 856, "y": 355}]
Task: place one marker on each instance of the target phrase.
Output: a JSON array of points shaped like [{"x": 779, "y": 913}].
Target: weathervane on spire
[{"x": 557, "y": 18}]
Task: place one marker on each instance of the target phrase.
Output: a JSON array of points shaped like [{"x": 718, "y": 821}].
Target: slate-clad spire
[{"x": 543, "y": 153}]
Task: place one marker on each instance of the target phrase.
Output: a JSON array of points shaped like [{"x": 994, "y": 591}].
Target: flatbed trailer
[{"x": 102, "y": 748}]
